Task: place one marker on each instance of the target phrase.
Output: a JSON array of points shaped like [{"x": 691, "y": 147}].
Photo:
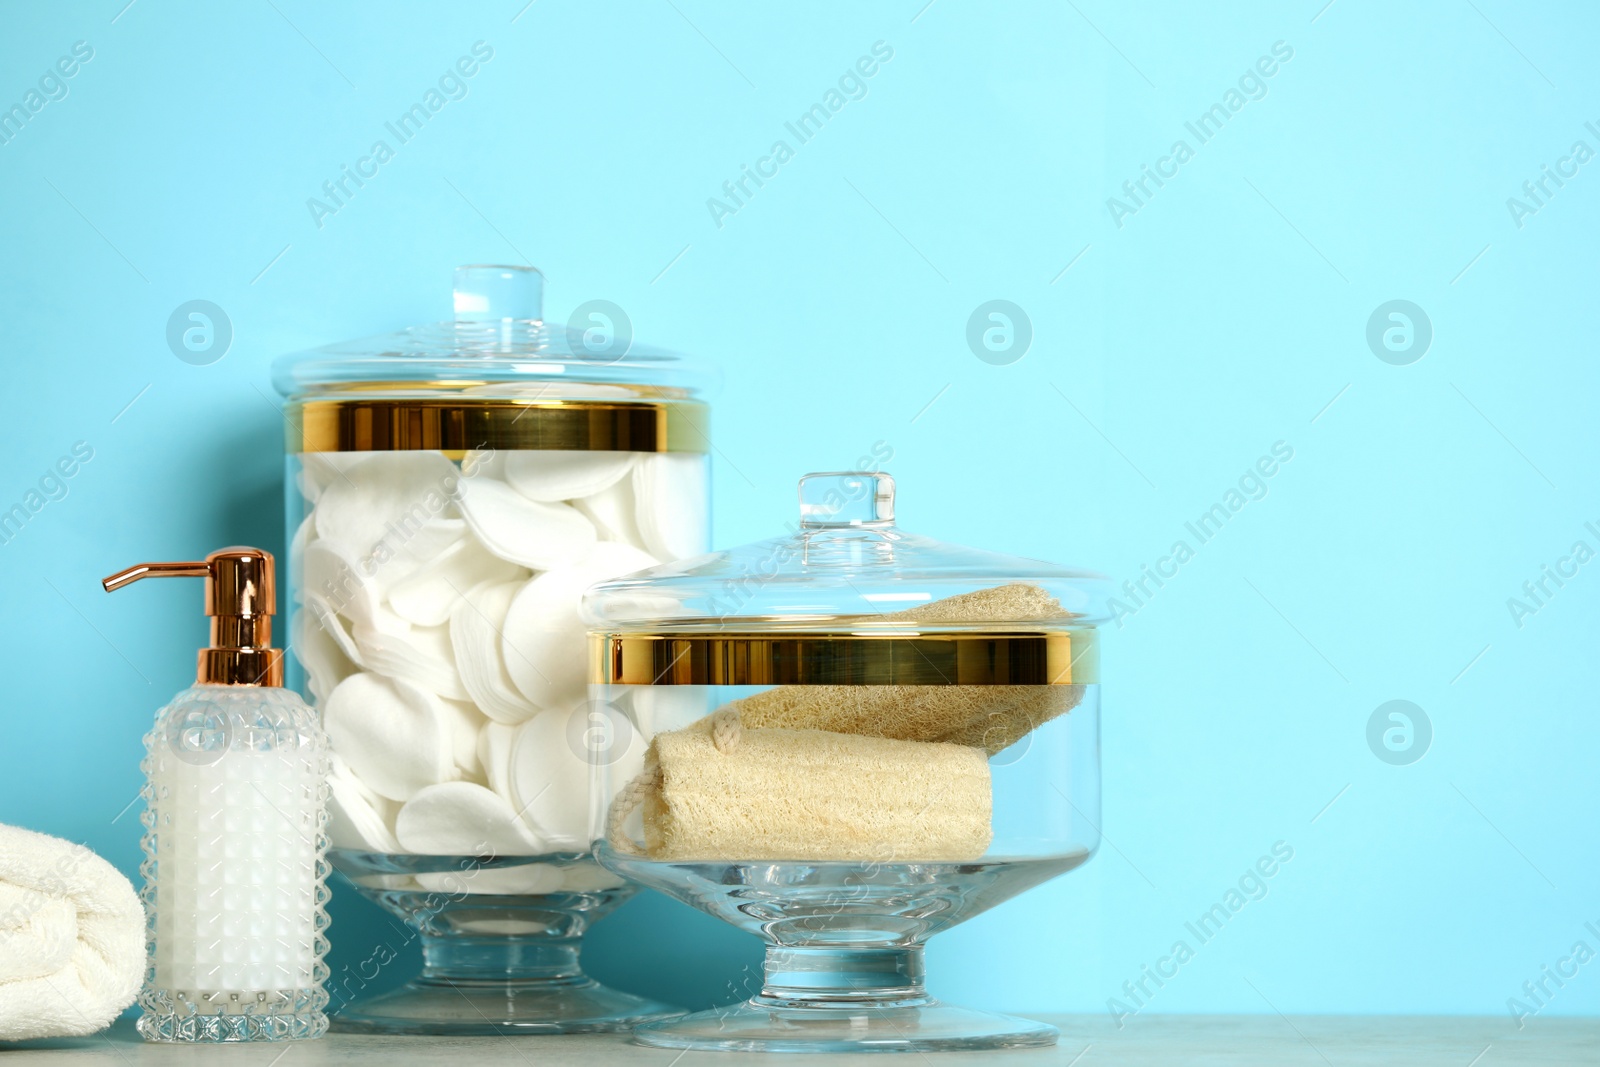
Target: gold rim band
[
  {"x": 1060, "y": 658},
  {"x": 457, "y": 424}
]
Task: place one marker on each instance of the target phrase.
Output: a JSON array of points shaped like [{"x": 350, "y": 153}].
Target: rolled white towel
[{"x": 72, "y": 938}]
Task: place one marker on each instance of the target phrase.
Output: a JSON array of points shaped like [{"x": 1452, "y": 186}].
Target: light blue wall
[{"x": 1227, "y": 313}]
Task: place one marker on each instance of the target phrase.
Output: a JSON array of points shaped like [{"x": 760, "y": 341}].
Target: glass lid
[
  {"x": 498, "y": 343},
  {"x": 847, "y": 569}
]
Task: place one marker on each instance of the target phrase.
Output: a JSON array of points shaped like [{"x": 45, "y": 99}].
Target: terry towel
[
  {"x": 72, "y": 938},
  {"x": 722, "y": 790}
]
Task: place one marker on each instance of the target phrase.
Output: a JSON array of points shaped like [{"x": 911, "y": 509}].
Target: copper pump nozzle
[{"x": 240, "y": 598}]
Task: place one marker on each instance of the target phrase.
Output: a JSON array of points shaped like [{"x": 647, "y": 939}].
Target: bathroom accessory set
[{"x": 530, "y": 689}]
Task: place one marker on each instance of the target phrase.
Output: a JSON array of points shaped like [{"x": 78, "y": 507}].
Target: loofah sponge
[
  {"x": 990, "y": 717},
  {"x": 720, "y": 789},
  {"x": 1013, "y": 602}
]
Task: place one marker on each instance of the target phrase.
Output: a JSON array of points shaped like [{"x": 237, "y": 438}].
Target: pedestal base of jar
[
  {"x": 844, "y": 969},
  {"x": 763, "y": 1024},
  {"x": 500, "y": 938},
  {"x": 577, "y": 1005}
]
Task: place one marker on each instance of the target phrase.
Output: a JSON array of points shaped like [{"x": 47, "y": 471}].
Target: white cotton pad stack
[{"x": 437, "y": 620}]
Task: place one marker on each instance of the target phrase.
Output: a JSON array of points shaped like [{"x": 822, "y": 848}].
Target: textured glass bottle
[
  {"x": 234, "y": 871},
  {"x": 235, "y": 832}
]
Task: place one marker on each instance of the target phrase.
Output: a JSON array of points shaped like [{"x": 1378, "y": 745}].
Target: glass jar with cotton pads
[
  {"x": 858, "y": 737},
  {"x": 452, "y": 490}
]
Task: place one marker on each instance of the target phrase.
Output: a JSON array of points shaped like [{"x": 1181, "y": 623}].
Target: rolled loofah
[
  {"x": 1013, "y": 602},
  {"x": 989, "y": 717},
  {"x": 722, "y": 790}
]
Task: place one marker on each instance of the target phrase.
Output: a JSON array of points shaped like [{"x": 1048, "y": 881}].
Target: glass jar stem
[
  {"x": 841, "y": 977},
  {"x": 498, "y": 959}
]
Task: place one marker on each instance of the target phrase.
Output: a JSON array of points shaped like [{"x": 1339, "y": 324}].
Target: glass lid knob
[
  {"x": 492, "y": 294},
  {"x": 846, "y": 498}
]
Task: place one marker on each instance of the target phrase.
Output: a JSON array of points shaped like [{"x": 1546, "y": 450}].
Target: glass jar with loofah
[
  {"x": 857, "y": 737},
  {"x": 452, "y": 491}
]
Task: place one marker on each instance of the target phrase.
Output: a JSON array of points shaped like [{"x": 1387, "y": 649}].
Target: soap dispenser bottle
[{"x": 235, "y": 829}]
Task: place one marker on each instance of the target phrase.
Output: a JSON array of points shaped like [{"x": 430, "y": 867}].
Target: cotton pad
[
  {"x": 465, "y": 724},
  {"x": 338, "y": 768},
  {"x": 394, "y": 736},
  {"x": 494, "y": 756},
  {"x": 355, "y": 818},
  {"x": 536, "y": 535},
  {"x": 419, "y": 654},
  {"x": 487, "y": 463},
  {"x": 297, "y": 545},
  {"x": 550, "y": 781},
  {"x": 334, "y": 627},
  {"x": 414, "y": 547},
  {"x": 428, "y": 595},
  {"x": 476, "y": 624},
  {"x": 654, "y": 708},
  {"x": 604, "y": 735},
  {"x": 554, "y": 476},
  {"x": 408, "y": 551},
  {"x": 319, "y": 653},
  {"x": 612, "y": 511},
  {"x": 670, "y": 490},
  {"x": 545, "y": 645},
  {"x": 462, "y": 819},
  {"x": 310, "y": 488},
  {"x": 625, "y": 756},
  {"x": 332, "y": 575},
  {"x": 388, "y": 492},
  {"x": 318, "y": 470}
]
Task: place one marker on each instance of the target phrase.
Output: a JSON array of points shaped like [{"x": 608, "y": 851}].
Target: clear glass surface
[
  {"x": 433, "y": 612},
  {"x": 858, "y": 738}
]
